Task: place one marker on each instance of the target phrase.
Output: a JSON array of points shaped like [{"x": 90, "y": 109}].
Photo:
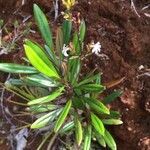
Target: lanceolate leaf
[
  {"x": 19, "y": 91},
  {"x": 42, "y": 53},
  {"x": 110, "y": 140},
  {"x": 78, "y": 103},
  {"x": 92, "y": 87},
  {"x": 78, "y": 92},
  {"x": 43, "y": 26},
  {"x": 76, "y": 43},
  {"x": 62, "y": 116},
  {"x": 114, "y": 114},
  {"x": 67, "y": 127},
  {"x": 39, "y": 60},
  {"x": 97, "y": 124},
  {"x": 82, "y": 31},
  {"x": 33, "y": 82},
  {"x": 44, "y": 120},
  {"x": 42, "y": 108},
  {"x": 78, "y": 131},
  {"x": 48, "y": 98},
  {"x": 16, "y": 82},
  {"x": 112, "y": 97},
  {"x": 97, "y": 106},
  {"x": 74, "y": 69},
  {"x": 52, "y": 56},
  {"x": 38, "y": 80},
  {"x": 59, "y": 42},
  {"x": 16, "y": 68},
  {"x": 98, "y": 79},
  {"x": 112, "y": 121},
  {"x": 89, "y": 80},
  {"x": 87, "y": 138},
  {"x": 100, "y": 139},
  {"x": 67, "y": 27},
  {"x": 39, "y": 50}
]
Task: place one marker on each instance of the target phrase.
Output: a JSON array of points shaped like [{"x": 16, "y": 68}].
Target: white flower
[
  {"x": 96, "y": 48},
  {"x": 65, "y": 50}
]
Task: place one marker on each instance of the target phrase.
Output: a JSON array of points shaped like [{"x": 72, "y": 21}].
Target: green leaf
[
  {"x": 16, "y": 82},
  {"x": 112, "y": 97},
  {"x": 43, "y": 26},
  {"x": 89, "y": 80},
  {"x": 92, "y": 88},
  {"x": 16, "y": 68},
  {"x": 42, "y": 108},
  {"x": 100, "y": 139},
  {"x": 78, "y": 92},
  {"x": 78, "y": 103},
  {"x": 41, "y": 52},
  {"x": 52, "y": 56},
  {"x": 82, "y": 30},
  {"x": 74, "y": 70},
  {"x": 76, "y": 43},
  {"x": 59, "y": 42},
  {"x": 39, "y": 60},
  {"x": 112, "y": 121},
  {"x": 110, "y": 140},
  {"x": 87, "y": 138},
  {"x": 62, "y": 116},
  {"x": 44, "y": 120},
  {"x": 67, "y": 27},
  {"x": 97, "y": 124},
  {"x": 19, "y": 91},
  {"x": 114, "y": 114},
  {"x": 98, "y": 78},
  {"x": 67, "y": 127},
  {"x": 78, "y": 131},
  {"x": 38, "y": 91},
  {"x": 98, "y": 81},
  {"x": 39, "y": 80},
  {"x": 1, "y": 23},
  {"x": 48, "y": 98},
  {"x": 97, "y": 106}
]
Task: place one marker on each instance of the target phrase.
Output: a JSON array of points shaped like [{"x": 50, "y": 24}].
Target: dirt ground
[{"x": 125, "y": 38}]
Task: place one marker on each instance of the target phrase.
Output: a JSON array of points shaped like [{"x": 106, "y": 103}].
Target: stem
[
  {"x": 22, "y": 92},
  {"x": 43, "y": 142},
  {"x": 29, "y": 92},
  {"x": 26, "y": 126},
  {"x": 17, "y": 103},
  {"x": 51, "y": 142},
  {"x": 19, "y": 115},
  {"x": 84, "y": 57},
  {"x": 13, "y": 92}
]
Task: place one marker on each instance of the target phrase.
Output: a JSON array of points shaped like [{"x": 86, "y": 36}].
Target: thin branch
[
  {"x": 56, "y": 7},
  {"x": 52, "y": 141},
  {"x": 133, "y": 7},
  {"x": 2, "y": 103}
]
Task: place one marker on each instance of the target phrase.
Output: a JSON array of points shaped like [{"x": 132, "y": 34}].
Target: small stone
[
  {"x": 127, "y": 109},
  {"x": 141, "y": 67},
  {"x": 129, "y": 128}
]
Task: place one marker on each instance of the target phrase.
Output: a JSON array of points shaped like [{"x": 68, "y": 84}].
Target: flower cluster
[{"x": 68, "y": 3}]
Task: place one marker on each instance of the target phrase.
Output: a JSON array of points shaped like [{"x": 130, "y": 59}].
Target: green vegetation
[{"x": 68, "y": 102}]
